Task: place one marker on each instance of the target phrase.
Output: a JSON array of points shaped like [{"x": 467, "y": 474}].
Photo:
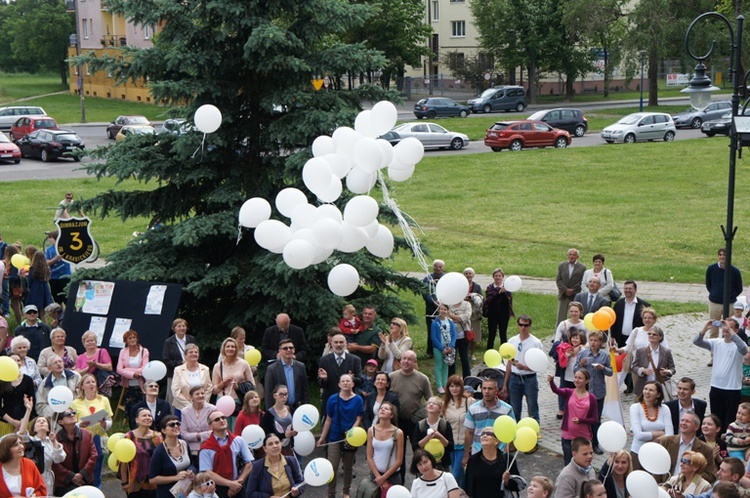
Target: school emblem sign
[{"x": 75, "y": 243}]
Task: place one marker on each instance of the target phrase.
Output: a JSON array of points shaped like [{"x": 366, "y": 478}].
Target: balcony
[
  {"x": 70, "y": 5},
  {"x": 113, "y": 41},
  {"x": 104, "y": 5}
]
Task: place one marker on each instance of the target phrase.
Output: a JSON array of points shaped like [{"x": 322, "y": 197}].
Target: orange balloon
[
  {"x": 601, "y": 320},
  {"x": 611, "y": 313}
]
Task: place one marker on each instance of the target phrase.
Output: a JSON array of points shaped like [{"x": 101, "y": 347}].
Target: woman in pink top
[
  {"x": 130, "y": 363},
  {"x": 580, "y": 413},
  {"x": 93, "y": 358}
]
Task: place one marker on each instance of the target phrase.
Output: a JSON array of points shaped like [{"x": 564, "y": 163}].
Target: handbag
[
  {"x": 615, "y": 293},
  {"x": 105, "y": 380},
  {"x": 470, "y": 335}
]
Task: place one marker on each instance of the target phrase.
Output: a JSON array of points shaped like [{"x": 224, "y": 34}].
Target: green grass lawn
[
  {"x": 67, "y": 108},
  {"x": 15, "y": 86}
]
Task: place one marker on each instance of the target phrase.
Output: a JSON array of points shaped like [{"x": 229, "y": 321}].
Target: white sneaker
[
  {"x": 441, "y": 390},
  {"x": 473, "y": 357}
]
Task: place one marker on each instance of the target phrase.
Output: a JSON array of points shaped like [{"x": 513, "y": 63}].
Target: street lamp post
[
  {"x": 643, "y": 65},
  {"x": 700, "y": 89}
]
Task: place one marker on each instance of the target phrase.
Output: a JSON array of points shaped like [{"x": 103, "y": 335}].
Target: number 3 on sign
[{"x": 76, "y": 242}]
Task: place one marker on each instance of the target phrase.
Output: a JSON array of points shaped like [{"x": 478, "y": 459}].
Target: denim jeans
[
  {"x": 99, "y": 462},
  {"x": 528, "y": 386},
  {"x": 457, "y": 469},
  {"x": 567, "y": 450}
]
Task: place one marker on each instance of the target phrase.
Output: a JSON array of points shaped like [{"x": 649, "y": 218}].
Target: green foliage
[
  {"x": 245, "y": 58},
  {"x": 468, "y": 68}
]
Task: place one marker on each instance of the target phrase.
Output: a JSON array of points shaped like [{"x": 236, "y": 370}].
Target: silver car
[
  {"x": 693, "y": 118},
  {"x": 640, "y": 127},
  {"x": 11, "y": 114},
  {"x": 432, "y": 136}
]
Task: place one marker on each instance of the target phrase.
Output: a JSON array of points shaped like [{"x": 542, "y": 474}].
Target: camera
[{"x": 716, "y": 323}]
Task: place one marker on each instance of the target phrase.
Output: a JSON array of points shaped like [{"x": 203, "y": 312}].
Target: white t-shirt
[
  {"x": 194, "y": 378},
  {"x": 439, "y": 488},
  {"x": 529, "y": 343},
  {"x": 13, "y": 483},
  {"x": 134, "y": 362}
]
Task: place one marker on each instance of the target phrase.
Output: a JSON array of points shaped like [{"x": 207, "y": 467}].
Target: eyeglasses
[
  {"x": 207, "y": 484},
  {"x": 175, "y": 424},
  {"x": 687, "y": 461},
  {"x": 152, "y": 385},
  {"x": 218, "y": 418},
  {"x": 287, "y": 348},
  {"x": 524, "y": 325},
  {"x": 283, "y": 394},
  {"x": 488, "y": 434},
  {"x": 396, "y": 323},
  {"x": 68, "y": 414}
]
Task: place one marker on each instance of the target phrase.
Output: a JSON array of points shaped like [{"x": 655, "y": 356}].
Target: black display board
[{"x": 128, "y": 301}]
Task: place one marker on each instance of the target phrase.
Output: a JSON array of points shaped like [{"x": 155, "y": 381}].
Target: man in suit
[
  {"x": 685, "y": 402},
  {"x": 159, "y": 407},
  {"x": 687, "y": 440},
  {"x": 569, "y": 276},
  {"x": 283, "y": 330},
  {"x": 289, "y": 372},
  {"x": 430, "y": 300},
  {"x": 334, "y": 364},
  {"x": 628, "y": 316},
  {"x": 591, "y": 300}
]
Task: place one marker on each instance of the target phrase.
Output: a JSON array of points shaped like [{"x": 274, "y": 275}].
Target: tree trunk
[
  {"x": 653, "y": 80},
  {"x": 569, "y": 91},
  {"x": 64, "y": 73},
  {"x": 532, "y": 78},
  {"x": 607, "y": 75}
]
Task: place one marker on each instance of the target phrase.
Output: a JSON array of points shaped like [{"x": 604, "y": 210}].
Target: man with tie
[
  {"x": 569, "y": 276},
  {"x": 591, "y": 300},
  {"x": 334, "y": 364}
]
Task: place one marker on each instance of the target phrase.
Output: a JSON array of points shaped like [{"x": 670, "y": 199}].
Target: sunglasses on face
[
  {"x": 687, "y": 461},
  {"x": 287, "y": 348},
  {"x": 524, "y": 325},
  {"x": 207, "y": 484},
  {"x": 174, "y": 424},
  {"x": 68, "y": 414},
  {"x": 217, "y": 419},
  {"x": 488, "y": 434}
]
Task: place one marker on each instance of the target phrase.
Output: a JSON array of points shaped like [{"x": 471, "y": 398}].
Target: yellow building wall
[{"x": 100, "y": 84}]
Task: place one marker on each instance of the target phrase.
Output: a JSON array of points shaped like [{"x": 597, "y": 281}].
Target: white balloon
[
  {"x": 327, "y": 233},
  {"x": 363, "y": 124},
  {"x": 321, "y": 254},
  {"x": 663, "y": 493},
  {"x": 512, "y": 283},
  {"x": 400, "y": 175},
  {"x": 382, "y": 244},
  {"x": 612, "y": 436},
  {"x": 304, "y": 216},
  {"x": 452, "y": 288},
  {"x": 372, "y": 229},
  {"x": 408, "y": 151},
  {"x": 361, "y": 211},
  {"x": 288, "y": 199},
  {"x": 318, "y": 472},
  {"x": 253, "y": 435},
  {"x": 87, "y": 491},
  {"x": 536, "y": 359},
  {"x": 298, "y": 254},
  {"x": 360, "y": 181},
  {"x": 304, "y": 443},
  {"x": 304, "y": 234},
  {"x": 329, "y": 211},
  {"x": 59, "y": 398},
  {"x": 207, "y": 118},
  {"x": 654, "y": 458},
  {"x": 398, "y": 491},
  {"x": 367, "y": 154},
  {"x": 323, "y": 145},
  {"x": 332, "y": 191},
  {"x": 345, "y": 138},
  {"x": 386, "y": 149},
  {"x": 305, "y": 418},
  {"x": 340, "y": 165},
  {"x": 254, "y": 211},
  {"x": 343, "y": 279},
  {"x": 272, "y": 234},
  {"x": 154, "y": 370},
  {"x": 383, "y": 118},
  {"x": 395, "y": 164},
  {"x": 316, "y": 174},
  {"x": 354, "y": 238},
  {"x": 640, "y": 483}
]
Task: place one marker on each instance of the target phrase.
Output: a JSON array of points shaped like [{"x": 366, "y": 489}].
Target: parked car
[
  {"x": 516, "y": 135},
  {"x": 49, "y": 145},
  {"x": 693, "y": 118},
  {"x": 128, "y": 130},
  {"x": 432, "y": 136},
  {"x": 639, "y": 127},
  {"x": 10, "y": 114},
  {"x": 114, "y": 127},
  {"x": 177, "y": 126},
  {"x": 26, "y": 125},
  {"x": 570, "y": 120},
  {"x": 8, "y": 150},
  {"x": 500, "y": 98},
  {"x": 439, "y": 107}
]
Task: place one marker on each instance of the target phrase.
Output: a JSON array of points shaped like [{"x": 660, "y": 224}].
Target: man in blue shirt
[
  {"x": 290, "y": 372},
  {"x": 59, "y": 270}
]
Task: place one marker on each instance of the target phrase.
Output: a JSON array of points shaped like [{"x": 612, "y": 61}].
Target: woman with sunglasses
[
  {"x": 275, "y": 474},
  {"x": 203, "y": 487},
  {"x": 486, "y": 471},
  {"x": 278, "y": 420},
  {"x": 393, "y": 344},
  {"x": 134, "y": 475},
  {"x": 170, "y": 462},
  {"x": 89, "y": 401},
  {"x": 690, "y": 479}
]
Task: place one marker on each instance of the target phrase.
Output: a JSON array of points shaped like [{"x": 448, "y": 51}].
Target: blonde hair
[
  {"x": 545, "y": 483},
  {"x": 348, "y": 308},
  {"x": 79, "y": 387},
  {"x": 86, "y": 335},
  {"x": 402, "y": 325}
]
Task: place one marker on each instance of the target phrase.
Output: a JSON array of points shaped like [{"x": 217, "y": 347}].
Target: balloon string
[
  {"x": 290, "y": 492},
  {"x": 611, "y": 467},
  {"x": 200, "y": 148},
  {"x": 514, "y": 460},
  {"x": 333, "y": 442},
  {"x": 239, "y": 234}
]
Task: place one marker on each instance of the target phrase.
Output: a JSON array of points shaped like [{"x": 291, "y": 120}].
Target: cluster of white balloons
[
  {"x": 304, "y": 421},
  {"x": 315, "y": 232},
  {"x": 453, "y": 287}
]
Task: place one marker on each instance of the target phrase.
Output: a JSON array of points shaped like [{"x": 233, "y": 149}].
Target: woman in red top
[
  {"x": 19, "y": 474},
  {"x": 581, "y": 411},
  {"x": 250, "y": 414}
]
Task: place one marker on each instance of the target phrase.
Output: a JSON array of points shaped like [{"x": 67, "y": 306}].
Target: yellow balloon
[
  {"x": 113, "y": 463},
  {"x": 507, "y": 351},
  {"x": 356, "y": 437},
  {"x": 112, "y": 441},
  {"x": 436, "y": 448},
  {"x": 8, "y": 369},
  {"x": 253, "y": 357},
  {"x": 601, "y": 320},
  {"x": 125, "y": 450},
  {"x": 588, "y": 322},
  {"x": 504, "y": 428},
  {"x": 529, "y": 422},
  {"x": 492, "y": 358},
  {"x": 19, "y": 261},
  {"x": 525, "y": 439}
]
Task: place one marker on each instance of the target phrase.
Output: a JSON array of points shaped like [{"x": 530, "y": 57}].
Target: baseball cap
[
  {"x": 739, "y": 306},
  {"x": 372, "y": 362},
  {"x": 30, "y": 307}
]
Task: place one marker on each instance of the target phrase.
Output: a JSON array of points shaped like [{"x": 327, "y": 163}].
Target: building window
[
  {"x": 458, "y": 28},
  {"x": 85, "y": 29},
  {"x": 455, "y": 58},
  {"x": 147, "y": 32},
  {"x": 435, "y": 10},
  {"x": 458, "y": 1},
  {"x": 88, "y": 73},
  {"x": 486, "y": 60}
]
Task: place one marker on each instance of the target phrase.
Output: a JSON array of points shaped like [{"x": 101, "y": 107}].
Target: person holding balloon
[
  {"x": 170, "y": 460},
  {"x": 275, "y": 474},
  {"x": 12, "y": 398},
  {"x": 19, "y": 476},
  {"x": 278, "y": 420},
  {"x": 80, "y": 455},
  {"x": 435, "y": 434},
  {"x": 581, "y": 411},
  {"x": 498, "y": 308},
  {"x": 443, "y": 334},
  {"x": 431, "y": 482},
  {"x": 90, "y": 402},
  {"x": 598, "y": 363},
  {"x": 39, "y": 431},
  {"x": 130, "y": 365},
  {"x": 488, "y": 471},
  {"x": 134, "y": 475},
  {"x": 614, "y": 474},
  {"x": 58, "y": 377}
]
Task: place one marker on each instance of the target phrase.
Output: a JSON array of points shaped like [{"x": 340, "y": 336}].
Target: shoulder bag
[
  {"x": 106, "y": 380},
  {"x": 615, "y": 293}
]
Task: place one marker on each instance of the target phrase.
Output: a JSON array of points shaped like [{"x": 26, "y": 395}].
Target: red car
[
  {"x": 8, "y": 150},
  {"x": 516, "y": 135},
  {"x": 26, "y": 125}
]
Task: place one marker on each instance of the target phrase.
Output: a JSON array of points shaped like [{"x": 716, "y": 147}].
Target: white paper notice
[
  {"x": 95, "y": 418},
  {"x": 97, "y": 326},
  {"x": 122, "y": 325},
  {"x": 155, "y": 300},
  {"x": 94, "y": 297}
]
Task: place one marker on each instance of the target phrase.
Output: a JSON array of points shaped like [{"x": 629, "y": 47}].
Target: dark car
[
  {"x": 571, "y": 120},
  {"x": 720, "y": 126},
  {"x": 516, "y": 135},
  {"x": 28, "y": 124},
  {"x": 439, "y": 107},
  {"x": 8, "y": 150},
  {"x": 500, "y": 98},
  {"x": 52, "y": 144},
  {"x": 693, "y": 118},
  {"x": 114, "y": 127}
]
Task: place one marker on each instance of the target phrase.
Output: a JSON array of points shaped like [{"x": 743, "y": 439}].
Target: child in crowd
[
  {"x": 738, "y": 316},
  {"x": 350, "y": 324},
  {"x": 368, "y": 378},
  {"x": 746, "y": 378},
  {"x": 203, "y": 487},
  {"x": 738, "y": 433}
]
